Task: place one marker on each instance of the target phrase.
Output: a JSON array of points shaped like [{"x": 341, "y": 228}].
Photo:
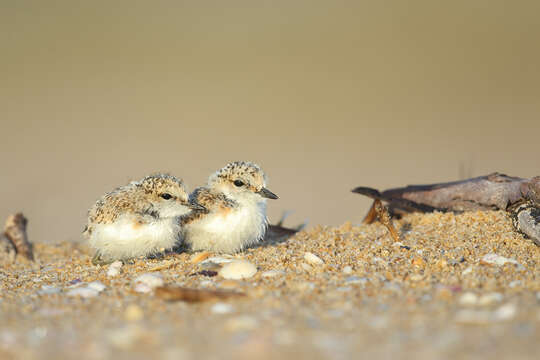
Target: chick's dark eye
[
  {"x": 238, "y": 183},
  {"x": 166, "y": 196}
]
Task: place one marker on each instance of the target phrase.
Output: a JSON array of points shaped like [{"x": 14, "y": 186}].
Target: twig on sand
[{"x": 177, "y": 293}]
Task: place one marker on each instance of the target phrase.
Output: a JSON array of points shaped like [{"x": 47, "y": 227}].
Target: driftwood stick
[
  {"x": 494, "y": 191},
  {"x": 15, "y": 231},
  {"x": 520, "y": 197}
]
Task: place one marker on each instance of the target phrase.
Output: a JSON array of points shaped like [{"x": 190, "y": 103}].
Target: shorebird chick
[
  {"x": 235, "y": 215},
  {"x": 138, "y": 219}
]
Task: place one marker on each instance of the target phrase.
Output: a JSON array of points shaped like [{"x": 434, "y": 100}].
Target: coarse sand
[{"x": 456, "y": 286}]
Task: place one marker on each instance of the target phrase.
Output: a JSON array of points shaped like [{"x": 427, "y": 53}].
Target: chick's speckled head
[
  {"x": 241, "y": 178},
  {"x": 166, "y": 193}
]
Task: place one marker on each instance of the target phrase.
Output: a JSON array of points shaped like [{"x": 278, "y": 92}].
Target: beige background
[{"x": 324, "y": 95}]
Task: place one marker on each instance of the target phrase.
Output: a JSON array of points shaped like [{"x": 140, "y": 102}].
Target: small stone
[
  {"x": 272, "y": 273},
  {"x": 490, "y": 299},
  {"x": 416, "y": 277},
  {"x": 145, "y": 283},
  {"x": 218, "y": 260},
  {"x": 96, "y": 285},
  {"x": 468, "y": 299},
  {"x": 114, "y": 268},
  {"x": 347, "y": 270},
  {"x": 313, "y": 259},
  {"x": 83, "y": 292},
  {"x": 467, "y": 271},
  {"x": 239, "y": 269},
  {"x": 494, "y": 259},
  {"x": 306, "y": 267},
  {"x": 505, "y": 312},
  {"x": 48, "y": 290},
  {"x": 133, "y": 313},
  {"x": 514, "y": 283},
  {"x": 221, "y": 308}
]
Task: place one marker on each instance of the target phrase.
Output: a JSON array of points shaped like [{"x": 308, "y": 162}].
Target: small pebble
[
  {"x": 96, "y": 285},
  {"x": 468, "y": 299},
  {"x": 505, "y": 312},
  {"x": 145, "y": 283},
  {"x": 83, "y": 292},
  {"x": 221, "y": 308},
  {"x": 239, "y": 269},
  {"x": 272, "y": 273},
  {"x": 218, "y": 260},
  {"x": 490, "y": 299},
  {"x": 313, "y": 259},
  {"x": 467, "y": 270},
  {"x": 114, "y": 268},
  {"x": 494, "y": 259},
  {"x": 347, "y": 270},
  {"x": 48, "y": 290}
]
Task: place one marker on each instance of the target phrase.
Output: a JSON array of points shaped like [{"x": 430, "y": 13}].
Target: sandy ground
[{"x": 434, "y": 295}]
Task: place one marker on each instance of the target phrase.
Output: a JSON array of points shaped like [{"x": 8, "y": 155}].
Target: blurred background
[{"x": 324, "y": 95}]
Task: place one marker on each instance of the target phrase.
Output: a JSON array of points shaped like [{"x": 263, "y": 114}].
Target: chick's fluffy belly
[
  {"x": 227, "y": 231},
  {"x": 128, "y": 237}
]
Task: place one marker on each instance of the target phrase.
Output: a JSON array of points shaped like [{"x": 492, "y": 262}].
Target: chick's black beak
[
  {"x": 195, "y": 206},
  {"x": 264, "y": 192}
]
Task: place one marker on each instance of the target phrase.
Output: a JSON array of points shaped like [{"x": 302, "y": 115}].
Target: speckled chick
[
  {"x": 235, "y": 210},
  {"x": 138, "y": 219}
]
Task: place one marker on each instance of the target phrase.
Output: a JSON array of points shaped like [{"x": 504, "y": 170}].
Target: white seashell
[
  {"x": 147, "y": 282},
  {"x": 114, "y": 269},
  {"x": 218, "y": 260},
  {"x": 84, "y": 292},
  {"x": 221, "y": 308},
  {"x": 495, "y": 259},
  {"x": 505, "y": 312},
  {"x": 313, "y": 259},
  {"x": 489, "y": 299},
  {"x": 96, "y": 285},
  {"x": 468, "y": 299},
  {"x": 239, "y": 269}
]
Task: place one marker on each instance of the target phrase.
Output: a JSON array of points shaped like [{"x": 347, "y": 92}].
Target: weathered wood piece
[
  {"x": 15, "y": 231},
  {"x": 521, "y": 197},
  {"x": 178, "y": 293}
]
